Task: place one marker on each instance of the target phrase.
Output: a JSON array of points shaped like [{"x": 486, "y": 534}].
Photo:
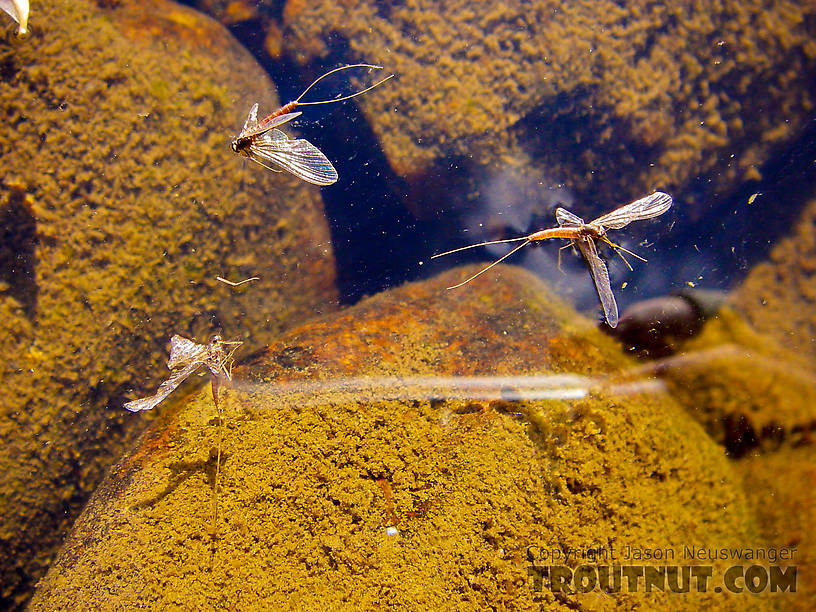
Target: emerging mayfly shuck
[
  {"x": 583, "y": 235},
  {"x": 186, "y": 357},
  {"x": 264, "y": 144}
]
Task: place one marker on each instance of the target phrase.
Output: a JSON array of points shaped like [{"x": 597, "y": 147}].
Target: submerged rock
[
  {"x": 655, "y": 327},
  {"x": 120, "y": 204},
  {"x": 424, "y": 449},
  {"x": 750, "y": 375},
  {"x": 781, "y": 490},
  {"x": 778, "y": 297},
  {"x": 749, "y": 392},
  {"x": 750, "y": 378},
  {"x": 612, "y": 101}
]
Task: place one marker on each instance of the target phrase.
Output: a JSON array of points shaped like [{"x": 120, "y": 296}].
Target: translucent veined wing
[
  {"x": 566, "y": 219},
  {"x": 165, "y": 389},
  {"x": 600, "y": 276},
  {"x": 184, "y": 351},
  {"x": 644, "y": 208},
  {"x": 252, "y": 119},
  {"x": 266, "y": 124},
  {"x": 270, "y": 122},
  {"x": 300, "y": 157}
]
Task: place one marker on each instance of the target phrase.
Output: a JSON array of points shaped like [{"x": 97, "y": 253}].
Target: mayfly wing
[
  {"x": 566, "y": 219},
  {"x": 258, "y": 129},
  {"x": 644, "y": 208},
  {"x": 300, "y": 157},
  {"x": 270, "y": 122},
  {"x": 165, "y": 389},
  {"x": 184, "y": 351},
  {"x": 600, "y": 276},
  {"x": 252, "y": 119}
]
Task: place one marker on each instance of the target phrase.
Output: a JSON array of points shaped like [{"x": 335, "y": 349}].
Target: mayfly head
[{"x": 241, "y": 145}]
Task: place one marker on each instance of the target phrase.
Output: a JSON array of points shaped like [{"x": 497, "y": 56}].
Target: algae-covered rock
[
  {"x": 749, "y": 379},
  {"x": 609, "y": 98},
  {"x": 750, "y": 376},
  {"x": 778, "y": 297},
  {"x": 781, "y": 491},
  {"x": 416, "y": 451},
  {"x": 120, "y": 204},
  {"x": 745, "y": 388}
]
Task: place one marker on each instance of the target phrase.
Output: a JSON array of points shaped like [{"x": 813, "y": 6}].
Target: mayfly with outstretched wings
[
  {"x": 583, "y": 235},
  {"x": 269, "y": 147}
]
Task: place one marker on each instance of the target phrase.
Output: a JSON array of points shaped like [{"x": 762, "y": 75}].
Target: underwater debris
[
  {"x": 18, "y": 11},
  {"x": 239, "y": 283},
  {"x": 583, "y": 235},
  {"x": 186, "y": 357},
  {"x": 263, "y": 143}
]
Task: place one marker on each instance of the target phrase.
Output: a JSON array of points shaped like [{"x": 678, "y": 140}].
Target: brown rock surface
[
  {"x": 749, "y": 378},
  {"x": 781, "y": 490},
  {"x": 613, "y": 99},
  {"x": 120, "y": 203},
  {"x": 768, "y": 388},
  {"x": 745, "y": 388},
  {"x": 337, "y": 432},
  {"x": 778, "y": 297}
]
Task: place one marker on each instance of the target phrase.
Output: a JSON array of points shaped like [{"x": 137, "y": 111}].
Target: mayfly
[
  {"x": 186, "y": 356},
  {"x": 583, "y": 235},
  {"x": 264, "y": 144}
]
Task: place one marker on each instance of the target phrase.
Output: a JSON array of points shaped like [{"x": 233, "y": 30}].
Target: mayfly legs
[
  {"x": 187, "y": 356},
  {"x": 225, "y": 371}
]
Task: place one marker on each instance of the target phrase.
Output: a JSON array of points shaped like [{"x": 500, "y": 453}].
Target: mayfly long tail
[
  {"x": 215, "y": 482},
  {"x": 297, "y": 101},
  {"x": 495, "y": 263},
  {"x": 214, "y": 548}
]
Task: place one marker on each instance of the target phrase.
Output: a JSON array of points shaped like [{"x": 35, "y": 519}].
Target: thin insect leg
[
  {"x": 618, "y": 248},
  {"x": 473, "y": 246},
  {"x": 265, "y": 166},
  {"x": 498, "y": 261},
  {"x": 628, "y": 265},
  {"x": 216, "y": 384},
  {"x": 566, "y": 246},
  {"x": 627, "y": 251},
  {"x": 354, "y": 95},
  {"x": 229, "y": 359}
]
